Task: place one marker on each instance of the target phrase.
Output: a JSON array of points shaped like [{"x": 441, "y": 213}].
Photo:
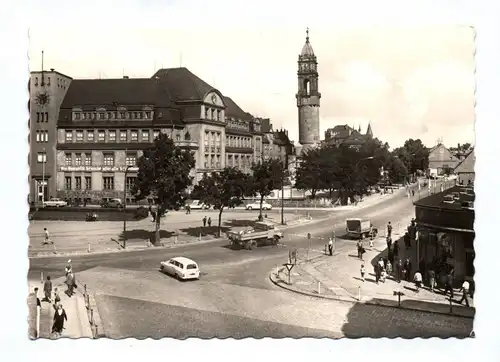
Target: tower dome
[{"x": 307, "y": 49}]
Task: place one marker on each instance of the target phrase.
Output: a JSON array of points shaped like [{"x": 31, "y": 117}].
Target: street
[{"x": 234, "y": 296}]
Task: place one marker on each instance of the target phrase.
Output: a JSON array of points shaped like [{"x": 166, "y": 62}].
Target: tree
[
  {"x": 266, "y": 177},
  {"x": 417, "y": 155},
  {"x": 223, "y": 189},
  {"x": 308, "y": 173},
  {"x": 397, "y": 170},
  {"x": 164, "y": 172}
]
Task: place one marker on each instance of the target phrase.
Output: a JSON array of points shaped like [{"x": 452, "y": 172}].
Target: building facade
[
  {"x": 441, "y": 160},
  {"x": 47, "y": 90},
  {"x": 308, "y": 96},
  {"x": 101, "y": 126},
  {"x": 465, "y": 170},
  {"x": 445, "y": 224},
  {"x": 347, "y": 135}
]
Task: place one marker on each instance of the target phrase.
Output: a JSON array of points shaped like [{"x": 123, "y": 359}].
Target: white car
[
  {"x": 197, "y": 205},
  {"x": 256, "y": 206},
  {"x": 181, "y": 268},
  {"x": 55, "y": 203}
]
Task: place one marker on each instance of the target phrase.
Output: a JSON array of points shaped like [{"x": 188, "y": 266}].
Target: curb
[
  {"x": 354, "y": 301},
  {"x": 94, "y": 318}
]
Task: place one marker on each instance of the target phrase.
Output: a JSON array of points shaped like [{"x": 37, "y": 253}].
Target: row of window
[
  {"x": 239, "y": 141},
  {"x": 213, "y": 114},
  {"x": 121, "y": 115},
  {"x": 241, "y": 161},
  {"x": 110, "y": 135},
  {"x": 85, "y": 159},
  {"x": 108, "y": 183},
  {"x": 237, "y": 124},
  {"x": 42, "y": 136},
  {"x": 42, "y": 117},
  {"x": 60, "y": 82}
]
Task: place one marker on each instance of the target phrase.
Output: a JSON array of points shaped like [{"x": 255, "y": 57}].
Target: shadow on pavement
[
  {"x": 143, "y": 234},
  {"x": 239, "y": 223},
  {"x": 204, "y": 231},
  {"x": 376, "y": 321}
]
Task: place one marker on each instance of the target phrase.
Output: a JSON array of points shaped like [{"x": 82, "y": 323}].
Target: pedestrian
[
  {"x": 209, "y": 221},
  {"x": 46, "y": 237},
  {"x": 69, "y": 283},
  {"x": 204, "y": 220},
  {"x": 407, "y": 267},
  {"x": 363, "y": 271},
  {"x": 465, "y": 291},
  {"x": 406, "y": 239},
  {"x": 449, "y": 283},
  {"x": 47, "y": 289},
  {"x": 417, "y": 278},
  {"x": 389, "y": 229},
  {"x": 330, "y": 246},
  {"x": 69, "y": 268},
  {"x": 383, "y": 275},
  {"x": 432, "y": 279},
  {"x": 59, "y": 318},
  {"x": 359, "y": 246},
  {"x": 57, "y": 298},
  {"x": 381, "y": 263},
  {"x": 371, "y": 240},
  {"x": 399, "y": 270},
  {"x": 395, "y": 249},
  {"x": 188, "y": 209},
  {"x": 376, "y": 269},
  {"x": 389, "y": 243},
  {"x": 389, "y": 268}
]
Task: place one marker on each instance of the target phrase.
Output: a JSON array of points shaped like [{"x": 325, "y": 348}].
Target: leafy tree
[
  {"x": 266, "y": 177},
  {"x": 397, "y": 170},
  {"x": 416, "y": 155},
  {"x": 223, "y": 189},
  {"x": 308, "y": 173},
  {"x": 164, "y": 172}
]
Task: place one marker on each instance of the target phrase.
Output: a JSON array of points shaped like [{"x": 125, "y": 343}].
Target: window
[
  {"x": 109, "y": 159},
  {"x": 90, "y": 136},
  {"x": 156, "y": 133},
  {"x": 78, "y": 159},
  {"x": 69, "y": 136},
  {"x": 145, "y": 135},
  {"x": 121, "y": 115},
  {"x": 178, "y": 137},
  {"x": 78, "y": 116},
  {"x": 218, "y": 114},
  {"x": 206, "y": 161},
  {"x": 123, "y": 136},
  {"x": 131, "y": 160},
  {"x": 102, "y": 115},
  {"x": 101, "y": 136},
  {"x": 88, "y": 182},
  {"x": 129, "y": 182},
  {"x": 134, "y": 136},
  {"x": 41, "y": 157},
  {"x": 42, "y": 136},
  {"x": 88, "y": 159},
  {"x": 67, "y": 182},
  {"x": 78, "y": 182},
  {"x": 148, "y": 115},
  {"x": 46, "y": 116},
  {"x": 79, "y": 136},
  {"x": 108, "y": 182},
  {"x": 112, "y": 136},
  {"x": 68, "y": 159}
]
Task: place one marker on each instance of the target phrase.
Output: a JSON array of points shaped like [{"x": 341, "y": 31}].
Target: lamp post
[
  {"x": 285, "y": 168},
  {"x": 125, "y": 208},
  {"x": 44, "y": 159}
]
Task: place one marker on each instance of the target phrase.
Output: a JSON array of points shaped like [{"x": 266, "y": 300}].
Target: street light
[{"x": 125, "y": 208}]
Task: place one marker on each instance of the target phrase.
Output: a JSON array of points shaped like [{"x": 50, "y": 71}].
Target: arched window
[{"x": 307, "y": 86}]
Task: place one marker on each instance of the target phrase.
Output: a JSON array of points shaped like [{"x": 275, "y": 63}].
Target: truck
[
  {"x": 260, "y": 234},
  {"x": 360, "y": 228}
]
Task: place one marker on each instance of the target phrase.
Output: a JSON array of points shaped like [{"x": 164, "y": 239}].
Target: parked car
[
  {"x": 112, "y": 204},
  {"x": 197, "y": 205},
  {"x": 55, "y": 203},
  {"x": 181, "y": 268},
  {"x": 256, "y": 206}
]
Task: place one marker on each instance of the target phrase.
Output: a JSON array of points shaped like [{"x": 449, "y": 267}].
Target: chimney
[
  {"x": 51, "y": 69},
  {"x": 125, "y": 77}
]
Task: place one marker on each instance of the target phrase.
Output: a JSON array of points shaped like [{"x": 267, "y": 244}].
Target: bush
[{"x": 141, "y": 213}]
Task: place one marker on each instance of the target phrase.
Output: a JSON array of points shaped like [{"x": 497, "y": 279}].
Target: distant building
[
  {"x": 441, "y": 160},
  {"x": 445, "y": 222},
  {"x": 92, "y": 131},
  {"x": 346, "y": 135},
  {"x": 465, "y": 169}
]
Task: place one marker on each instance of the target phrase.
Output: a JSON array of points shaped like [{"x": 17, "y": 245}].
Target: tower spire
[{"x": 307, "y": 35}]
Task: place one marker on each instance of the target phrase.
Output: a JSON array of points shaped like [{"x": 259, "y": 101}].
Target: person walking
[
  {"x": 371, "y": 240},
  {"x": 432, "y": 279},
  {"x": 389, "y": 268},
  {"x": 204, "y": 220},
  {"x": 359, "y": 246},
  {"x": 70, "y": 284},
  {"x": 399, "y": 270},
  {"x": 465, "y": 293},
  {"x": 362, "y": 271},
  {"x": 188, "y": 209},
  {"x": 389, "y": 229},
  {"x": 69, "y": 268},
  {"x": 406, "y": 239},
  {"x": 330, "y": 246},
  {"x": 407, "y": 267},
  {"x": 395, "y": 249},
  {"x": 417, "y": 278},
  {"x": 449, "y": 284},
  {"x": 389, "y": 243},
  {"x": 209, "y": 221},
  {"x": 47, "y": 289},
  {"x": 59, "y": 318},
  {"x": 376, "y": 269},
  {"x": 46, "y": 237}
]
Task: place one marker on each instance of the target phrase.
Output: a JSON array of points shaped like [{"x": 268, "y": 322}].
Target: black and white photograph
[{"x": 293, "y": 181}]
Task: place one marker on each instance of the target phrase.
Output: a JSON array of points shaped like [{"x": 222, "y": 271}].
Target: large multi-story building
[{"x": 97, "y": 129}]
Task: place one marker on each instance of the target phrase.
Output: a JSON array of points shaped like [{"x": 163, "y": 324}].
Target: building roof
[
  {"x": 369, "y": 131},
  {"x": 307, "y": 48},
  {"x": 233, "y": 110},
  {"x": 468, "y": 163},
  {"x": 182, "y": 85},
  {"x": 265, "y": 125},
  {"x": 138, "y": 91},
  {"x": 465, "y": 194}
]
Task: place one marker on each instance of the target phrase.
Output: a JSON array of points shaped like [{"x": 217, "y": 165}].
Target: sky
[{"x": 408, "y": 81}]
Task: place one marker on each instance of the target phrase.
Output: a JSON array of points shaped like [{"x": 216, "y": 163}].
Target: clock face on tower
[{"x": 42, "y": 99}]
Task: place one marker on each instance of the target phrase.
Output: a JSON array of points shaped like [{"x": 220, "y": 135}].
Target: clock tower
[{"x": 308, "y": 96}]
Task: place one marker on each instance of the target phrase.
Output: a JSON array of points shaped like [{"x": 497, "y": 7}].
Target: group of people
[{"x": 206, "y": 221}]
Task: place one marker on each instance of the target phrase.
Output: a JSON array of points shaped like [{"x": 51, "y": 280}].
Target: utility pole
[
  {"x": 285, "y": 168},
  {"x": 125, "y": 206},
  {"x": 44, "y": 159}
]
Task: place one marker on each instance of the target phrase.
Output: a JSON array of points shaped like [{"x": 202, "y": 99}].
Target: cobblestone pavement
[
  {"x": 339, "y": 277},
  {"x": 145, "y": 303}
]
